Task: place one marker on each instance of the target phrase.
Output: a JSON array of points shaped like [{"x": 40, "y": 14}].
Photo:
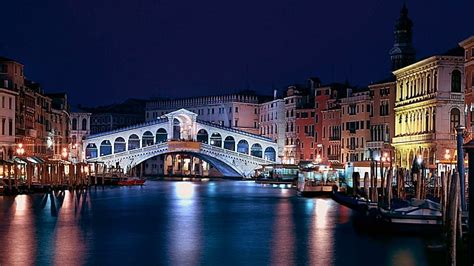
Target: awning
[
  {"x": 34, "y": 159},
  {"x": 18, "y": 160},
  {"x": 6, "y": 162}
]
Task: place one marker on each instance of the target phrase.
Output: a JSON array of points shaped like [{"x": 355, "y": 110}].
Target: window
[
  {"x": 3, "y": 101},
  {"x": 456, "y": 81},
  {"x": 236, "y": 109},
  {"x": 3, "y": 126},
  {"x": 84, "y": 124},
  {"x": 236, "y": 122},
  {"x": 10, "y": 127},
  {"x": 4, "y": 68},
  {"x": 455, "y": 118},
  {"x": 74, "y": 124}
]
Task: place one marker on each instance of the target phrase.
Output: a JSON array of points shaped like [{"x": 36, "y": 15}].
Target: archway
[
  {"x": 229, "y": 143},
  {"x": 133, "y": 142},
  {"x": 147, "y": 139},
  {"x": 119, "y": 145},
  {"x": 91, "y": 151},
  {"x": 176, "y": 129},
  {"x": 216, "y": 140},
  {"x": 270, "y": 154},
  {"x": 161, "y": 135},
  {"x": 243, "y": 146},
  {"x": 256, "y": 150},
  {"x": 202, "y": 136},
  {"x": 105, "y": 148}
]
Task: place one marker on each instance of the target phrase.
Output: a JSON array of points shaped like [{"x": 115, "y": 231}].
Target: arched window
[
  {"x": 428, "y": 83},
  {"x": 161, "y": 135},
  {"x": 74, "y": 124},
  {"x": 119, "y": 145},
  {"x": 456, "y": 81},
  {"x": 455, "y": 118},
  {"x": 84, "y": 124}
]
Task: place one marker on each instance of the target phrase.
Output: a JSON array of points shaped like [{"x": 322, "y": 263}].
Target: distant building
[
  {"x": 382, "y": 120},
  {"x": 272, "y": 121},
  {"x": 428, "y": 107},
  {"x": 80, "y": 129},
  {"x": 294, "y": 99},
  {"x": 239, "y": 110},
  {"x": 114, "y": 116},
  {"x": 356, "y": 111}
]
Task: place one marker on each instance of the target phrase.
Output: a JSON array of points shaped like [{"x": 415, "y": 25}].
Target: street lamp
[
  {"x": 64, "y": 153},
  {"x": 20, "y": 150},
  {"x": 318, "y": 159},
  {"x": 447, "y": 157}
]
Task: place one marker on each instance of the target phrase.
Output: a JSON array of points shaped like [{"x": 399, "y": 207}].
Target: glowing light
[{"x": 184, "y": 190}]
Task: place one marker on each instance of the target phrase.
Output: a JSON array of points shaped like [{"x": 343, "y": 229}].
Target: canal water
[{"x": 182, "y": 223}]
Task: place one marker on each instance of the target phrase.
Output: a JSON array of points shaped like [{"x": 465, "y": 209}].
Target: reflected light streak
[
  {"x": 185, "y": 226},
  {"x": 283, "y": 240},
  {"x": 21, "y": 245},
  {"x": 69, "y": 242},
  {"x": 321, "y": 234}
]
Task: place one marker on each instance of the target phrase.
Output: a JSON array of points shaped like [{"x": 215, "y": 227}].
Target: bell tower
[{"x": 402, "y": 52}]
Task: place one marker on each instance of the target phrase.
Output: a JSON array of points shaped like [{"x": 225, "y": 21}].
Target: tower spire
[{"x": 402, "y": 52}]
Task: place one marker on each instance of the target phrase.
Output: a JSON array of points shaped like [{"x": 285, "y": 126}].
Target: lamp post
[
  {"x": 20, "y": 150},
  {"x": 447, "y": 158}
]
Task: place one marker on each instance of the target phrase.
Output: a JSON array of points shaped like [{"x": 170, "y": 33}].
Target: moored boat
[
  {"x": 317, "y": 180},
  {"x": 131, "y": 182}
]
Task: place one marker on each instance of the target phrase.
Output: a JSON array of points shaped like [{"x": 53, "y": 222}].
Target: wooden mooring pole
[{"x": 469, "y": 147}]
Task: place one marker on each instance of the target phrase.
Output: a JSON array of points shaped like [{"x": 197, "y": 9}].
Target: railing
[
  {"x": 375, "y": 144},
  {"x": 234, "y": 130},
  {"x": 415, "y": 99},
  {"x": 413, "y": 138},
  {"x": 149, "y": 123},
  {"x": 162, "y": 145}
]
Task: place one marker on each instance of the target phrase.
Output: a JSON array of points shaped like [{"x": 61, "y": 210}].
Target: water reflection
[
  {"x": 70, "y": 241},
  {"x": 185, "y": 225},
  {"x": 283, "y": 240},
  {"x": 20, "y": 242},
  {"x": 321, "y": 248}
]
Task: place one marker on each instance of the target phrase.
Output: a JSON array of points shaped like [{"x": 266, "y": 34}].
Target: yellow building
[{"x": 428, "y": 106}]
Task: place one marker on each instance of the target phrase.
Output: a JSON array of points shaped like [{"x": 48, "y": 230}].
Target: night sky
[{"x": 102, "y": 52}]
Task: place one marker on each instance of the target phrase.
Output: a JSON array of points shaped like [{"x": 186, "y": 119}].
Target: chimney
[{"x": 274, "y": 94}]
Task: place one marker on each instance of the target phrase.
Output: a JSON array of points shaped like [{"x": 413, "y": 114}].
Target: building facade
[
  {"x": 429, "y": 105},
  {"x": 7, "y": 120},
  {"x": 40, "y": 120},
  {"x": 272, "y": 122},
  {"x": 468, "y": 45},
  {"x": 382, "y": 119},
  {"x": 80, "y": 129},
  {"x": 356, "y": 111}
]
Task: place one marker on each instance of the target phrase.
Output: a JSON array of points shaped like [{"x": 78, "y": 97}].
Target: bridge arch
[
  {"x": 216, "y": 139},
  {"x": 229, "y": 143},
  {"x": 133, "y": 142},
  {"x": 243, "y": 146},
  {"x": 147, "y": 139},
  {"x": 161, "y": 135},
  {"x": 91, "y": 151},
  {"x": 269, "y": 154},
  {"x": 105, "y": 148},
  {"x": 202, "y": 136},
  {"x": 120, "y": 145},
  {"x": 256, "y": 150}
]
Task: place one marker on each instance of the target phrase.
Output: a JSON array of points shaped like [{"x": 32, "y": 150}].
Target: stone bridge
[{"x": 232, "y": 152}]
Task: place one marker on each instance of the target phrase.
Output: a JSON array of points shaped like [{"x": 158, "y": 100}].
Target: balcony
[
  {"x": 335, "y": 138},
  {"x": 375, "y": 144},
  {"x": 414, "y": 138}
]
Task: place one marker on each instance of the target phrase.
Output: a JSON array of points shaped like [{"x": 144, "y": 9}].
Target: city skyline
[{"x": 262, "y": 46}]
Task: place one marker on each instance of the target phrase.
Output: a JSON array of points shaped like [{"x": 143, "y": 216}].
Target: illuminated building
[
  {"x": 429, "y": 105},
  {"x": 7, "y": 122},
  {"x": 382, "y": 119},
  {"x": 294, "y": 98},
  {"x": 356, "y": 111},
  {"x": 272, "y": 121},
  {"x": 80, "y": 128}
]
